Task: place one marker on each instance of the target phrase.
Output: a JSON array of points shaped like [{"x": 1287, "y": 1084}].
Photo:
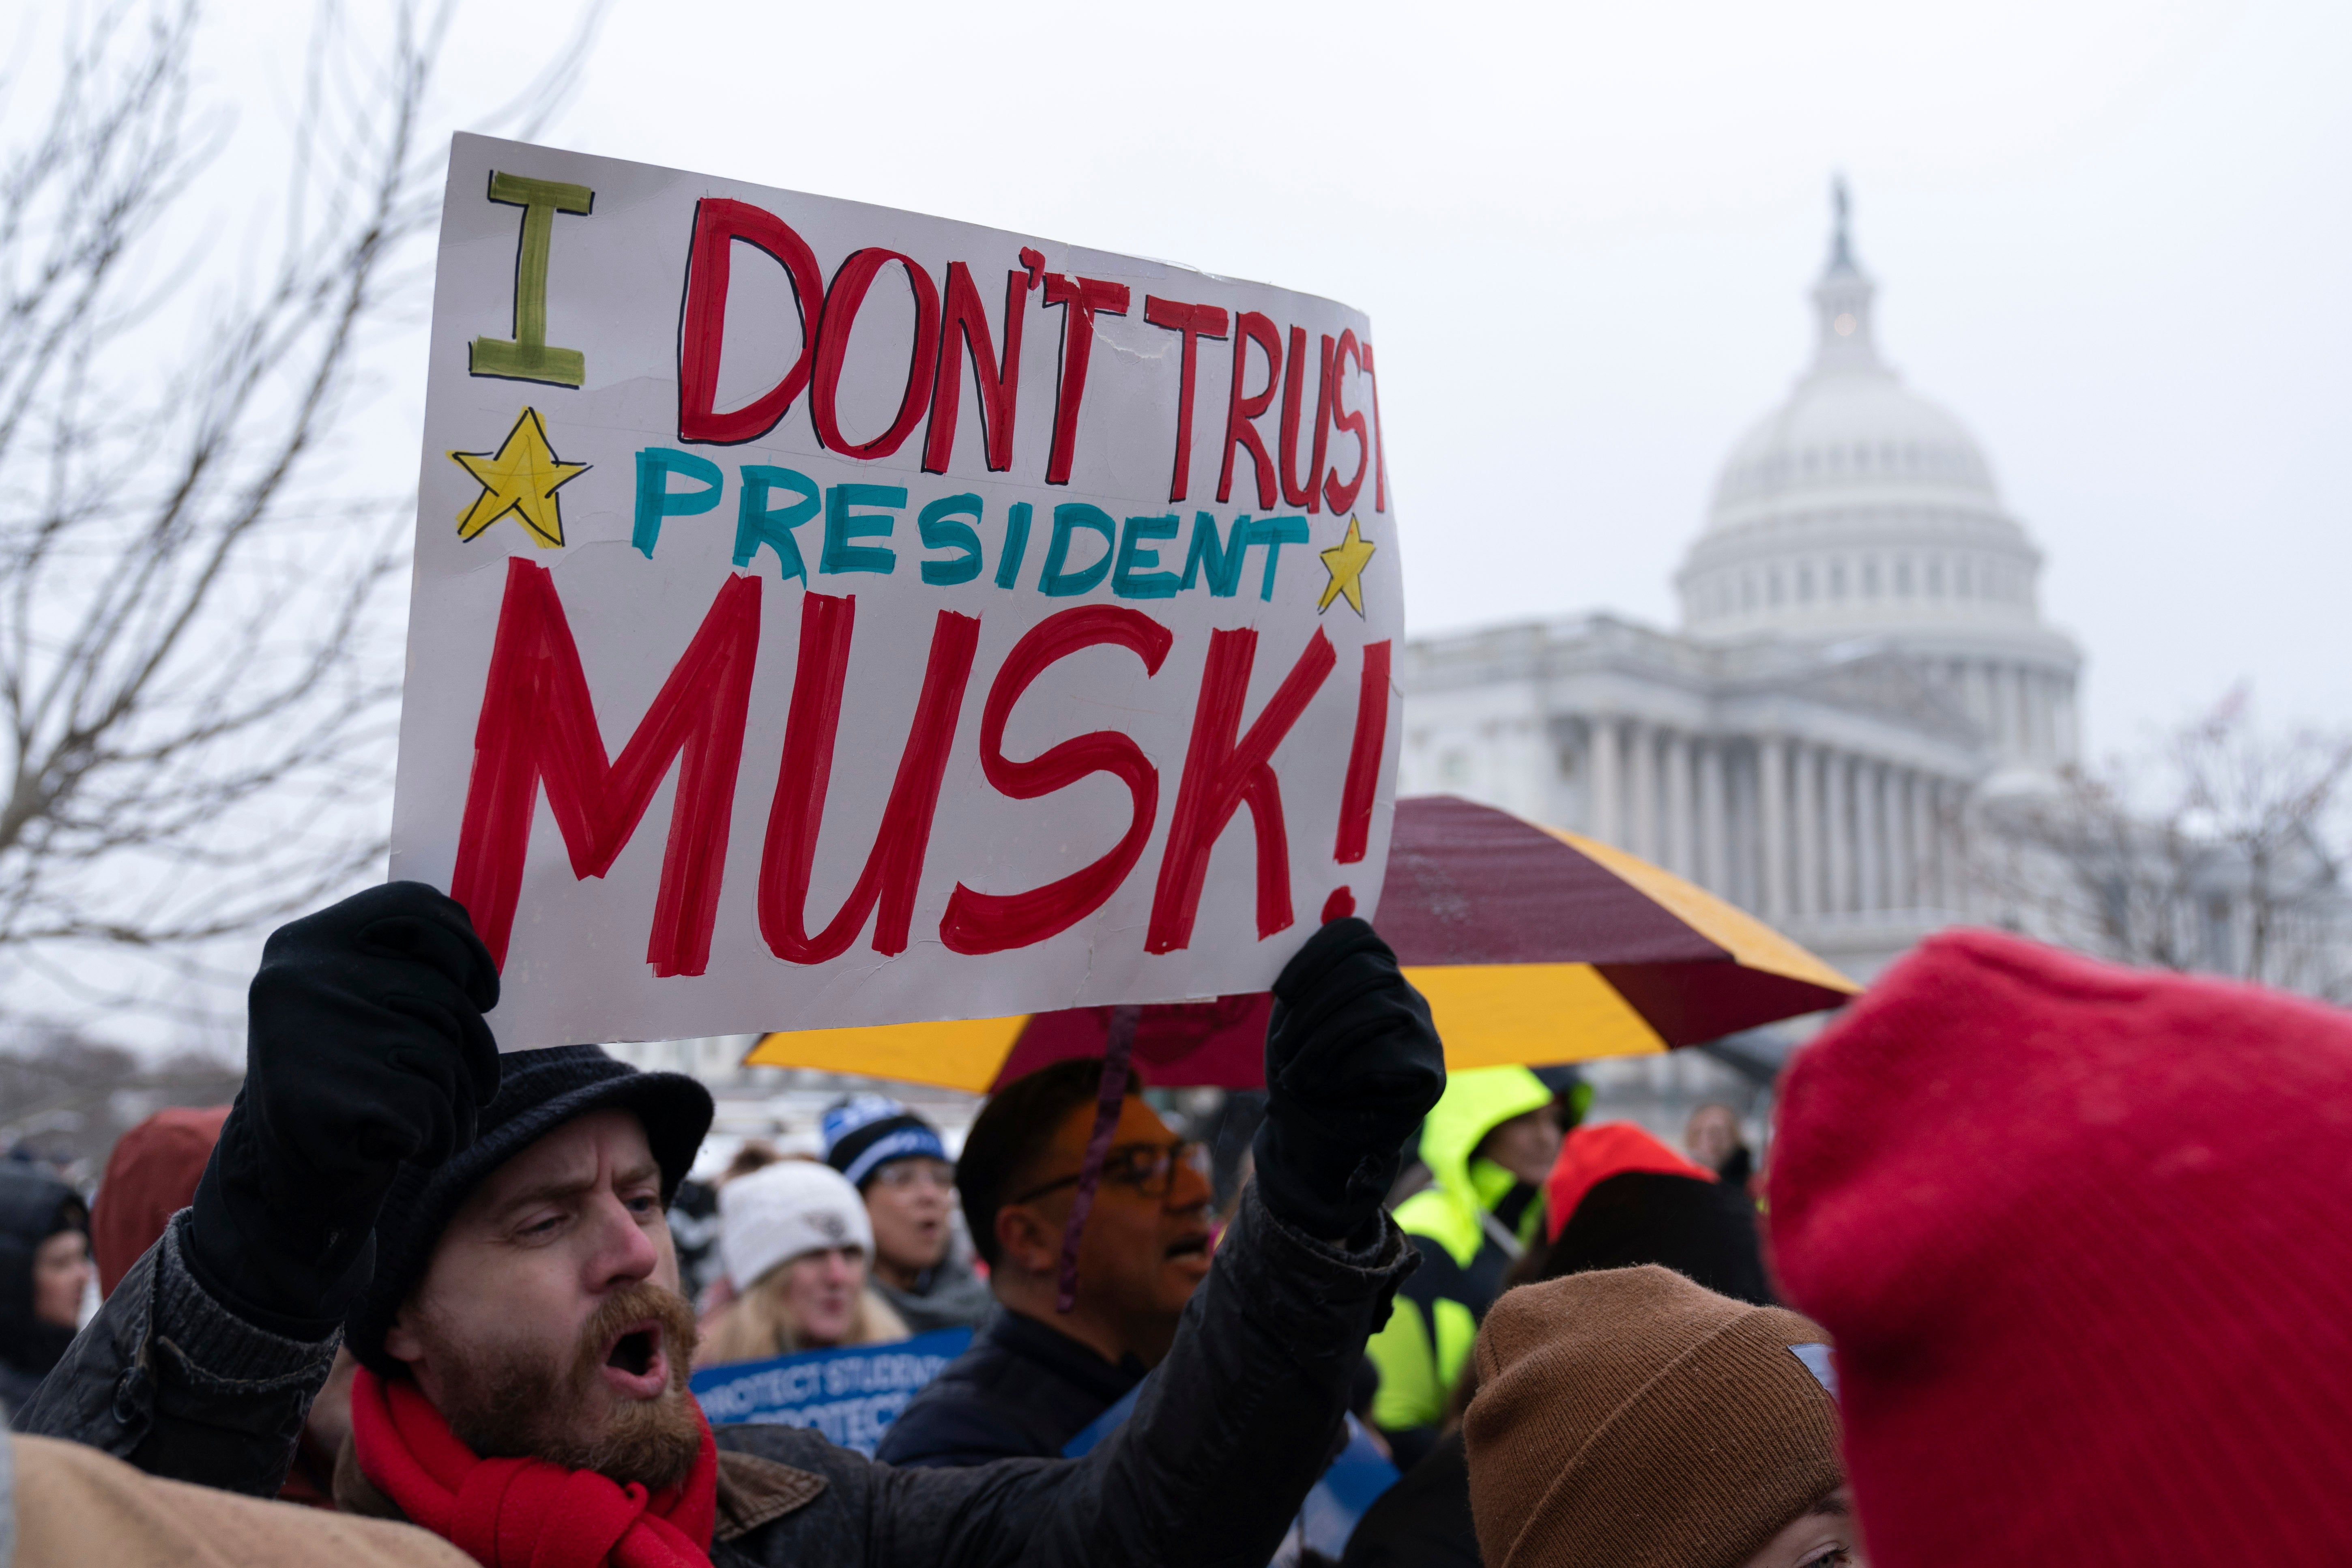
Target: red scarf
[{"x": 526, "y": 1513}]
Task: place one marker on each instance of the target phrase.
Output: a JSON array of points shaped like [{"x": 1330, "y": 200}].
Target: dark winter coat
[
  {"x": 1023, "y": 1389},
  {"x": 1423, "y": 1520},
  {"x": 1210, "y": 1469},
  {"x": 34, "y": 1206}
]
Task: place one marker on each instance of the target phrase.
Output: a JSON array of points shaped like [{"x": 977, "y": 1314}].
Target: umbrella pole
[{"x": 1108, "y": 1100}]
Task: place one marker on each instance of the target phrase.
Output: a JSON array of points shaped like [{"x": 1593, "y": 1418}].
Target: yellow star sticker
[
  {"x": 1345, "y": 561},
  {"x": 522, "y": 477}
]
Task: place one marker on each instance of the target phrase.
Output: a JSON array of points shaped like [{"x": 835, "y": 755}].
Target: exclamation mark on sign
[{"x": 1364, "y": 757}]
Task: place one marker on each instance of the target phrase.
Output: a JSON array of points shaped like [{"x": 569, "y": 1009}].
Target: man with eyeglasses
[
  {"x": 1037, "y": 1376},
  {"x": 489, "y": 1235},
  {"x": 898, "y": 1164}
]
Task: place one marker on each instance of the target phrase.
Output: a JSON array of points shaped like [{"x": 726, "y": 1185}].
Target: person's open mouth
[
  {"x": 1191, "y": 1249},
  {"x": 636, "y": 1364}
]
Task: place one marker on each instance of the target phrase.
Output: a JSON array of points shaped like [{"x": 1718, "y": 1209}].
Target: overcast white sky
[{"x": 2115, "y": 238}]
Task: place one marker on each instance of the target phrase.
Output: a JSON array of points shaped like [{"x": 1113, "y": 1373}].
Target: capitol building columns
[
  {"x": 1922, "y": 824},
  {"x": 1860, "y": 650},
  {"x": 1799, "y": 831},
  {"x": 1807, "y": 832},
  {"x": 1642, "y": 827},
  {"x": 1805, "y": 797},
  {"x": 1869, "y": 836},
  {"x": 1714, "y": 820},
  {"x": 1773, "y": 836},
  {"x": 1902, "y": 883},
  {"x": 1682, "y": 811},
  {"x": 1838, "y": 863},
  {"x": 1603, "y": 778}
]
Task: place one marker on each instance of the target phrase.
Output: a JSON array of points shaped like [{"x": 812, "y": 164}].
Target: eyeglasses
[
  {"x": 1149, "y": 1168},
  {"x": 908, "y": 1173}
]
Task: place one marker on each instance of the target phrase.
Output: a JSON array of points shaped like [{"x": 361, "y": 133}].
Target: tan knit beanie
[{"x": 1630, "y": 1419}]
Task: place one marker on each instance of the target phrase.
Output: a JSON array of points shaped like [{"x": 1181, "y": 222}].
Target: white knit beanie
[{"x": 780, "y": 1211}]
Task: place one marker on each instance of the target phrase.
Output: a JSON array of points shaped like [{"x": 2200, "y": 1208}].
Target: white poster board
[{"x": 830, "y": 616}]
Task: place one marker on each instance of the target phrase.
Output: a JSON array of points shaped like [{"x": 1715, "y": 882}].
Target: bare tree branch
[
  {"x": 199, "y": 671},
  {"x": 2216, "y": 852}
]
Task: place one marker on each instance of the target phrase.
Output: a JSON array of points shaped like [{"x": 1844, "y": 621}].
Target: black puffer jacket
[
  {"x": 1210, "y": 1469},
  {"x": 33, "y": 1207}
]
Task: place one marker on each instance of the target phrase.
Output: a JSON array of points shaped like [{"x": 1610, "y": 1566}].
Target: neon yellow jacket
[{"x": 1420, "y": 1352}]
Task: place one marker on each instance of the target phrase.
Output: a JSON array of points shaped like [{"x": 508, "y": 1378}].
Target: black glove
[
  {"x": 365, "y": 1047},
  {"x": 1352, "y": 1065}
]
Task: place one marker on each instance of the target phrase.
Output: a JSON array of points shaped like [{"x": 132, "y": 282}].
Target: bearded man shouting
[{"x": 489, "y": 1236}]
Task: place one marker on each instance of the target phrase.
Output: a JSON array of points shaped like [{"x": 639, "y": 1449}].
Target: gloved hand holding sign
[
  {"x": 365, "y": 1047},
  {"x": 1352, "y": 1065}
]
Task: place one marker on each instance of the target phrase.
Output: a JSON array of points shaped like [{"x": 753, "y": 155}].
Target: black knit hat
[
  {"x": 1701, "y": 1229},
  {"x": 538, "y": 1092},
  {"x": 867, "y": 1131}
]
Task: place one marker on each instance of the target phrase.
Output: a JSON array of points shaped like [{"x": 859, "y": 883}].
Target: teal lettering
[
  {"x": 656, "y": 501},
  {"x": 1218, "y": 560},
  {"x": 941, "y": 531},
  {"x": 1016, "y": 545},
  {"x": 842, "y": 525},
  {"x": 1274, "y": 532},
  {"x": 1068, "y": 518},
  {"x": 1134, "y": 578},
  {"x": 758, "y": 523}
]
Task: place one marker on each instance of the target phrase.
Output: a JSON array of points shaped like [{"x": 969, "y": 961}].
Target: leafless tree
[
  {"x": 199, "y": 674},
  {"x": 2219, "y": 851},
  {"x": 65, "y": 1097}
]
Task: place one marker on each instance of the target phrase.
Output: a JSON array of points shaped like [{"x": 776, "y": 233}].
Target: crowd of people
[{"x": 2047, "y": 1259}]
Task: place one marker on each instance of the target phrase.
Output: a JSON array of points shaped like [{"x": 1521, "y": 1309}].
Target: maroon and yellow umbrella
[{"x": 1533, "y": 946}]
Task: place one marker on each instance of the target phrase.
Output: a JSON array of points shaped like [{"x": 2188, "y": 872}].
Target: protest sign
[
  {"x": 850, "y": 1395},
  {"x": 829, "y": 616}
]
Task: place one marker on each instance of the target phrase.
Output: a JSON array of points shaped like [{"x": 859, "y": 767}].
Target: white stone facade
[{"x": 1860, "y": 650}]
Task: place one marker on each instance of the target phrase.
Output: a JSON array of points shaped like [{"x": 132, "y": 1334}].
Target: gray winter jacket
[{"x": 1243, "y": 1417}]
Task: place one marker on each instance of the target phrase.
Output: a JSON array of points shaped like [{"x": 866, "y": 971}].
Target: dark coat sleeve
[
  {"x": 1210, "y": 1470},
  {"x": 166, "y": 1378}
]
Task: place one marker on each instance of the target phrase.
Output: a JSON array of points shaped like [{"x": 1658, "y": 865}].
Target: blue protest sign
[{"x": 850, "y": 1395}]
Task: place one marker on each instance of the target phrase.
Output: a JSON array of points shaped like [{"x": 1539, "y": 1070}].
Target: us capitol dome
[
  {"x": 1859, "y": 508},
  {"x": 1860, "y": 656}
]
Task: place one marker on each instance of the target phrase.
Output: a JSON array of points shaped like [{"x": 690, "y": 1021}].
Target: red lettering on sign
[
  {"x": 1364, "y": 755},
  {"x": 964, "y": 328},
  {"x": 1195, "y": 321},
  {"x": 1083, "y": 297},
  {"x": 1310, "y": 494},
  {"x": 1222, "y": 774},
  {"x": 1251, "y": 327},
  {"x": 841, "y": 303},
  {"x": 992, "y": 923},
  {"x": 895, "y": 865},
  {"x": 538, "y": 726},
  {"x": 718, "y": 224},
  {"x": 1342, "y": 497},
  {"x": 1380, "y": 450}
]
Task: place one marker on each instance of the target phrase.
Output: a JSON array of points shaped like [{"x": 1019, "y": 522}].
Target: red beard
[{"x": 506, "y": 1402}]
